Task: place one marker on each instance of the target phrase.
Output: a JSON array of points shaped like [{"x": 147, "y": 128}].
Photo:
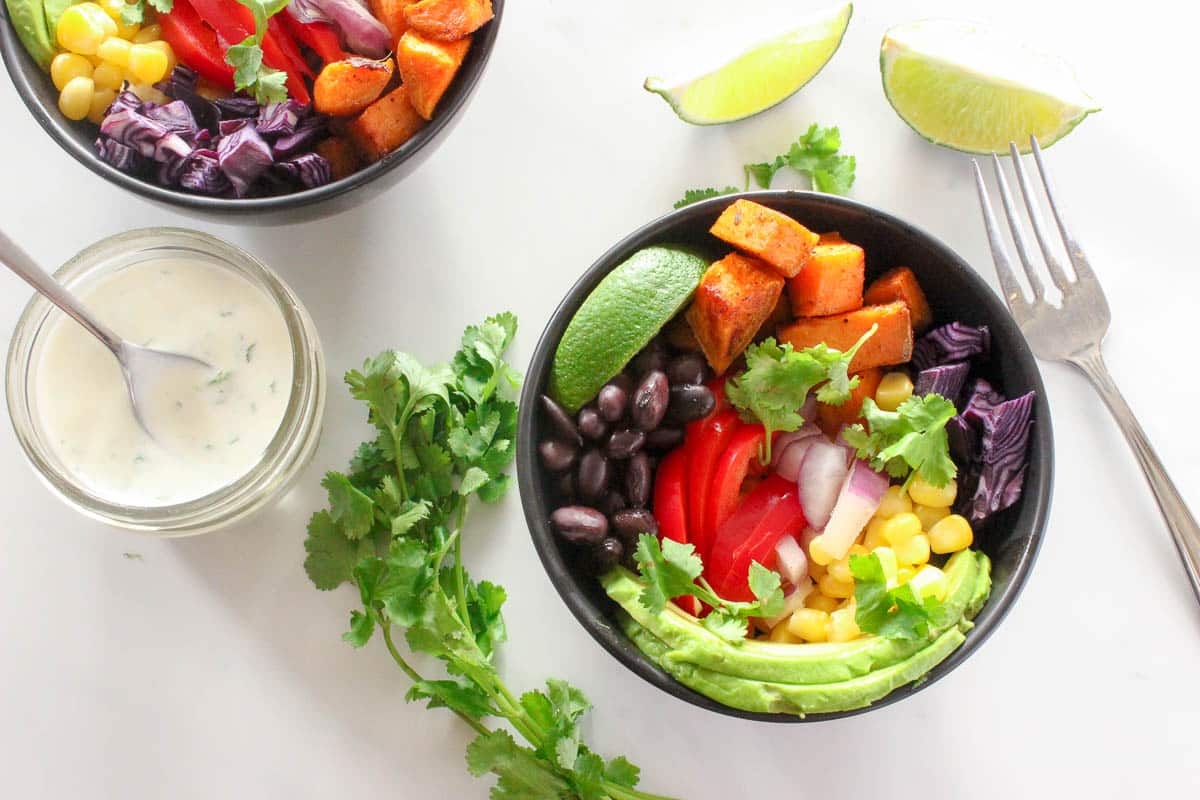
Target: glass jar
[{"x": 285, "y": 456}]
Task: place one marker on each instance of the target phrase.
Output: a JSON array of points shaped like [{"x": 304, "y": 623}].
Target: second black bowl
[{"x": 955, "y": 292}]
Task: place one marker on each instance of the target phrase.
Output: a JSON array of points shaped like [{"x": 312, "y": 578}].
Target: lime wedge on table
[
  {"x": 620, "y": 317},
  {"x": 761, "y": 77},
  {"x": 960, "y": 85}
]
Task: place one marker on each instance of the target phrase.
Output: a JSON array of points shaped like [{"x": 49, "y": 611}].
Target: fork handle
[{"x": 1184, "y": 530}]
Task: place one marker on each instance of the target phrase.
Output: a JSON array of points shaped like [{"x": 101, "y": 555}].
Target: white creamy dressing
[{"x": 211, "y": 426}]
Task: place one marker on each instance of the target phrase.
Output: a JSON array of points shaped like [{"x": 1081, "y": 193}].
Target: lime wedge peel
[
  {"x": 760, "y": 78},
  {"x": 961, "y": 85}
]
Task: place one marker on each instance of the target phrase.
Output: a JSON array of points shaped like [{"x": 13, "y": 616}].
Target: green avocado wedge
[
  {"x": 689, "y": 643},
  {"x": 29, "y": 21}
]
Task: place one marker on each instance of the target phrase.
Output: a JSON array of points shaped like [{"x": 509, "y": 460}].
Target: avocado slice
[
  {"x": 29, "y": 21},
  {"x": 788, "y": 698},
  {"x": 689, "y": 643}
]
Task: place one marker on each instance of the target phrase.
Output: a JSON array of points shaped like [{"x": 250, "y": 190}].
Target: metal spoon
[{"x": 139, "y": 365}]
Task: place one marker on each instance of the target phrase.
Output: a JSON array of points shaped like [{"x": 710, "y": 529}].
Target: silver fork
[{"x": 1073, "y": 332}]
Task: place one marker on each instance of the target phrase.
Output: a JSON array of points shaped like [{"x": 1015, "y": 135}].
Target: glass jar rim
[{"x": 290, "y": 448}]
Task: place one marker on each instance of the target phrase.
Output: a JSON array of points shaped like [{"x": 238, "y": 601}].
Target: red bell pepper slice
[
  {"x": 772, "y": 511},
  {"x": 740, "y": 526},
  {"x": 733, "y": 466},
  {"x": 670, "y": 509},
  {"x": 320, "y": 37},
  {"x": 234, "y": 22},
  {"x": 278, "y": 33},
  {"x": 707, "y": 439},
  {"x": 195, "y": 44}
]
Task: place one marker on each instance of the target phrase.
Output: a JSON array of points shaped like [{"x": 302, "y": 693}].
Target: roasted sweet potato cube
[
  {"x": 386, "y": 124},
  {"x": 892, "y": 343},
  {"x": 448, "y": 20},
  {"x": 391, "y": 14},
  {"x": 341, "y": 155},
  {"x": 831, "y": 282},
  {"x": 427, "y": 67},
  {"x": 832, "y": 418},
  {"x": 901, "y": 284},
  {"x": 736, "y": 295},
  {"x": 344, "y": 88},
  {"x": 763, "y": 232}
]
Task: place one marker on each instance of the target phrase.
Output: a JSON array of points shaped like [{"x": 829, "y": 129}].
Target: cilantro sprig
[
  {"x": 444, "y": 436},
  {"x": 671, "y": 569},
  {"x": 895, "y": 613},
  {"x": 908, "y": 441},
  {"x": 815, "y": 154},
  {"x": 778, "y": 379},
  {"x": 250, "y": 74}
]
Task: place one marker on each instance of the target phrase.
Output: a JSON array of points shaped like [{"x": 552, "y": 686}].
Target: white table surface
[{"x": 210, "y": 667}]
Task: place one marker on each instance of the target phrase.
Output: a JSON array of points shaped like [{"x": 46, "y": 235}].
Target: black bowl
[
  {"x": 955, "y": 291},
  {"x": 77, "y": 138}
]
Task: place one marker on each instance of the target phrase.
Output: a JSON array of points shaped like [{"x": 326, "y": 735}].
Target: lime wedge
[
  {"x": 762, "y": 77},
  {"x": 620, "y": 317},
  {"x": 960, "y": 85}
]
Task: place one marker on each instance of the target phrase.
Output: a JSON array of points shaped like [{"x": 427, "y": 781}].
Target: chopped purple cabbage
[
  {"x": 982, "y": 400},
  {"x": 281, "y": 119},
  {"x": 175, "y": 116},
  {"x": 310, "y": 131},
  {"x": 228, "y": 127},
  {"x": 243, "y": 156},
  {"x": 947, "y": 380},
  {"x": 956, "y": 341},
  {"x": 145, "y": 135},
  {"x": 118, "y": 155},
  {"x": 202, "y": 174},
  {"x": 309, "y": 170},
  {"x": 1005, "y": 441},
  {"x": 963, "y": 440},
  {"x": 237, "y": 106}
]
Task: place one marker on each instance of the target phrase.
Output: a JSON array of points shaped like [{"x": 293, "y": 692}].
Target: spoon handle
[{"x": 20, "y": 262}]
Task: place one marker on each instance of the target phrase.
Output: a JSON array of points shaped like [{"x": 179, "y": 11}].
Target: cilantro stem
[
  {"x": 460, "y": 588},
  {"x": 415, "y": 677}
]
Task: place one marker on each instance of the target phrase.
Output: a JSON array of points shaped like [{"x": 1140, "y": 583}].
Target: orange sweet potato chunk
[
  {"x": 448, "y": 20},
  {"x": 831, "y": 282},
  {"x": 340, "y": 153},
  {"x": 892, "y": 343},
  {"x": 832, "y": 418},
  {"x": 391, "y": 14},
  {"x": 347, "y": 87},
  {"x": 386, "y": 124},
  {"x": 901, "y": 284},
  {"x": 427, "y": 67},
  {"x": 766, "y": 233},
  {"x": 736, "y": 295}
]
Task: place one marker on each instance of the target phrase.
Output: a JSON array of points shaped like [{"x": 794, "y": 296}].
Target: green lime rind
[
  {"x": 942, "y": 78},
  {"x": 760, "y": 78},
  {"x": 620, "y": 317}
]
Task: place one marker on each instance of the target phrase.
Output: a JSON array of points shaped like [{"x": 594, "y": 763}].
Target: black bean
[
  {"x": 612, "y": 503},
  {"x": 653, "y": 356},
  {"x": 607, "y": 554},
  {"x": 557, "y": 456},
  {"x": 624, "y": 443},
  {"x": 580, "y": 524},
  {"x": 593, "y": 475},
  {"x": 566, "y": 487},
  {"x": 690, "y": 402},
  {"x": 612, "y": 401},
  {"x": 623, "y": 380},
  {"x": 632, "y": 522},
  {"x": 560, "y": 421},
  {"x": 638, "y": 480},
  {"x": 650, "y": 400},
  {"x": 591, "y": 424},
  {"x": 664, "y": 438},
  {"x": 688, "y": 368}
]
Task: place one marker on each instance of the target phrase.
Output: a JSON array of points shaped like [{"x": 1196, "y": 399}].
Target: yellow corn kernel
[
  {"x": 147, "y": 63},
  {"x": 809, "y": 624},
  {"x": 81, "y": 31},
  {"x": 951, "y": 535},
  {"x": 783, "y": 635},
  {"x": 150, "y": 33},
  {"x": 114, "y": 9},
  {"x": 816, "y": 571},
  {"x": 108, "y": 76},
  {"x": 929, "y": 516},
  {"x": 818, "y": 554},
  {"x": 930, "y": 581},
  {"x": 904, "y": 575},
  {"x": 913, "y": 552},
  {"x": 115, "y": 51},
  {"x": 874, "y": 536},
  {"x": 925, "y": 493},
  {"x": 894, "y": 389},
  {"x": 857, "y": 550},
  {"x": 69, "y": 65},
  {"x": 834, "y": 588},
  {"x": 894, "y": 502},
  {"x": 75, "y": 99},
  {"x": 842, "y": 627},
  {"x": 101, "y": 100},
  {"x": 889, "y": 563},
  {"x": 840, "y": 570},
  {"x": 821, "y": 602},
  {"x": 172, "y": 61},
  {"x": 148, "y": 93},
  {"x": 900, "y": 528}
]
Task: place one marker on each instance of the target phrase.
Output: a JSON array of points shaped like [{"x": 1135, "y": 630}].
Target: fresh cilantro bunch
[
  {"x": 778, "y": 379},
  {"x": 671, "y": 569},
  {"x": 891, "y": 613},
  {"x": 910, "y": 440},
  {"x": 393, "y": 528},
  {"x": 246, "y": 57},
  {"x": 814, "y": 154}
]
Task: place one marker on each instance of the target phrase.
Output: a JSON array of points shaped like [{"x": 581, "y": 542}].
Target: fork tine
[
  {"x": 1083, "y": 270},
  {"x": 1035, "y": 218},
  {"x": 1004, "y": 271},
  {"x": 1018, "y": 233}
]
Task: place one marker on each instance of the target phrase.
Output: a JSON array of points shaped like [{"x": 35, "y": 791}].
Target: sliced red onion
[
  {"x": 785, "y": 439},
  {"x": 792, "y": 601},
  {"x": 857, "y": 502},
  {"x": 821, "y": 477},
  {"x": 791, "y": 562},
  {"x": 361, "y": 32},
  {"x": 807, "y": 536},
  {"x": 789, "y": 465}
]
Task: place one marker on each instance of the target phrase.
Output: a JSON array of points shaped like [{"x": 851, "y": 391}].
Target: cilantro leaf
[
  {"x": 778, "y": 379},
  {"x": 696, "y": 195},
  {"x": 454, "y": 694},
  {"x": 331, "y": 556},
  {"x": 267, "y": 85},
  {"x": 814, "y": 154},
  {"x": 352, "y": 511},
  {"x": 767, "y": 588},
  {"x": 895, "y": 613},
  {"x": 521, "y": 774},
  {"x": 911, "y": 439}
]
